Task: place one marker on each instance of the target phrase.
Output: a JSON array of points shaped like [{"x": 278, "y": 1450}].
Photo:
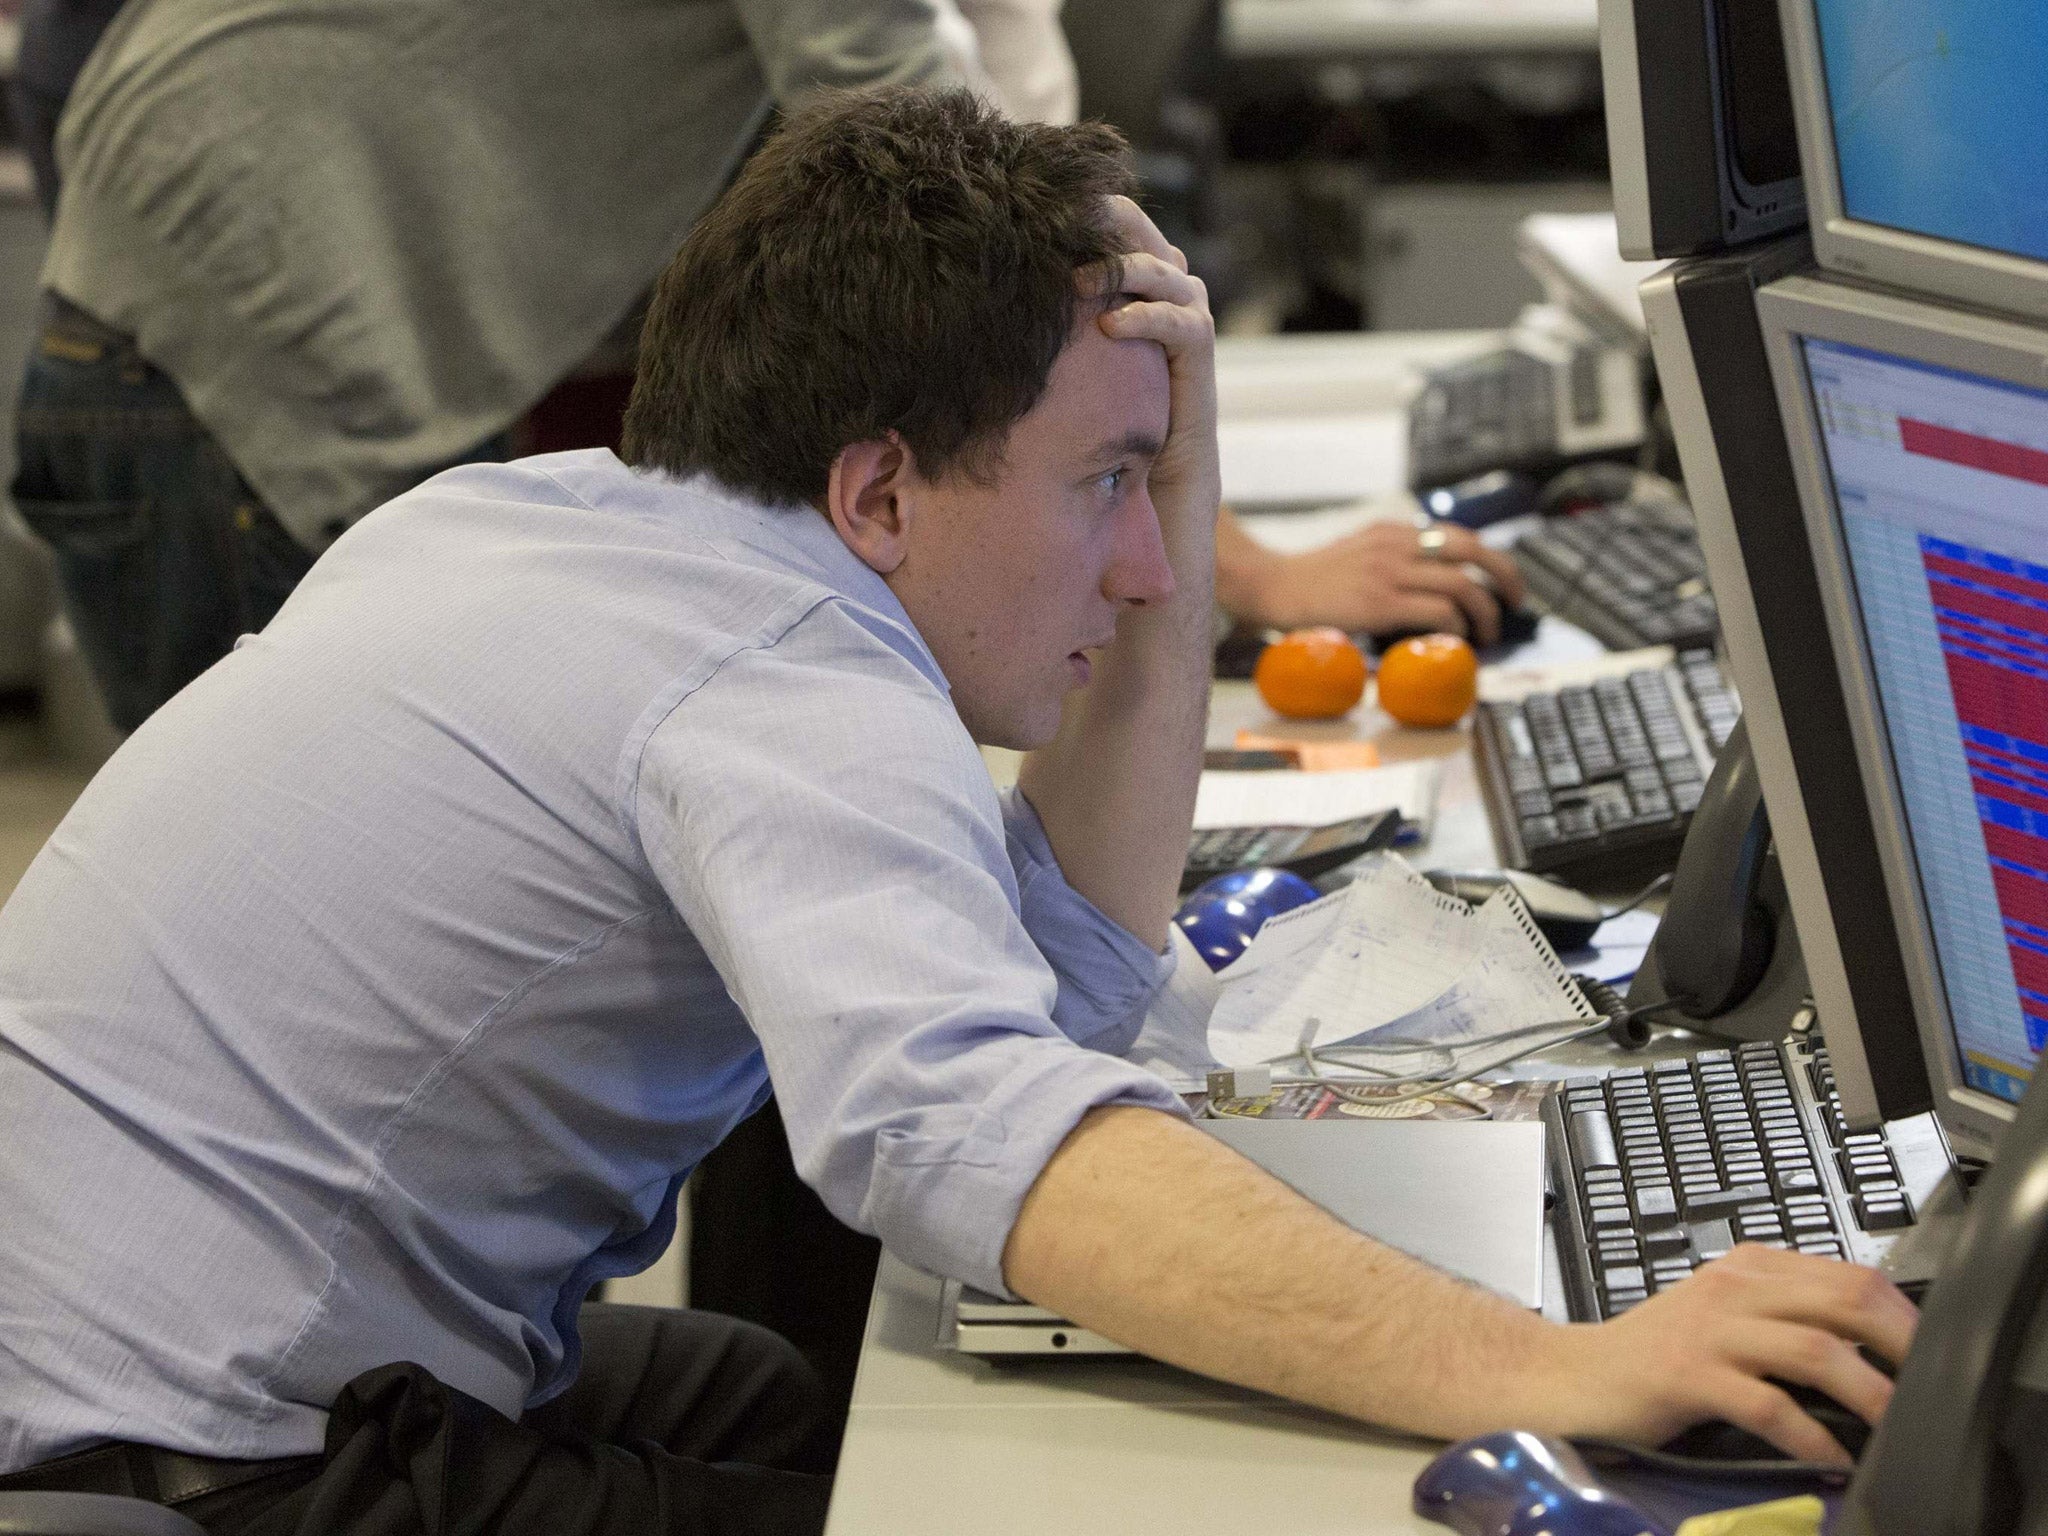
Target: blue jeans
[{"x": 164, "y": 553}]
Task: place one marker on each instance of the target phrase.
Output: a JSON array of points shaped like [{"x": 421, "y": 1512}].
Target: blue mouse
[
  {"x": 1221, "y": 916},
  {"x": 1519, "y": 1484}
]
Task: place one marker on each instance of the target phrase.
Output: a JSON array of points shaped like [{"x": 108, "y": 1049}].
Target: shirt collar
[{"x": 802, "y": 539}]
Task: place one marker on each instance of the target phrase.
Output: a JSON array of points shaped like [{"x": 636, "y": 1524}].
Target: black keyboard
[
  {"x": 1629, "y": 573},
  {"x": 1498, "y": 410},
  {"x": 1662, "y": 1168},
  {"x": 1599, "y": 782}
]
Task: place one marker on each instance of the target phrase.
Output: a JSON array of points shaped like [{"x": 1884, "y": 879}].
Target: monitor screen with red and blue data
[{"x": 1941, "y": 489}]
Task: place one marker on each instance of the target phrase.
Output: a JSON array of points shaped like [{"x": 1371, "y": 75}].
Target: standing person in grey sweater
[{"x": 305, "y": 257}]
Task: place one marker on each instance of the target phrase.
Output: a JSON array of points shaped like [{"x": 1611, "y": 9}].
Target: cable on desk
[
  {"x": 1442, "y": 1081},
  {"x": 1662, "y": 882}
]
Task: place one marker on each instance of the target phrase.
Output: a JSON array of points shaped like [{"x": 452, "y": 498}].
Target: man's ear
[{"x": 866, "y": 498}]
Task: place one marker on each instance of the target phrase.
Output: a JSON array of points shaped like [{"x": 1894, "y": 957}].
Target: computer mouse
[
  {"x": 1567, "y": 917},
  {"x": 1514, "y": 1483},
  {"x": 1718, "y": 1440},
  {"x": 1222, "y": 916},
  {"x": 1517, "y": 627}
]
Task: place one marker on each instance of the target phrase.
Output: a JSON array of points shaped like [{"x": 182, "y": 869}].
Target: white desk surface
[
  {"x": 1325, "y": 28},
  {"x": 1316, "y": 419},
  {"x": 942, "y": 1445},
  {"x": 939, "y": 1444}
]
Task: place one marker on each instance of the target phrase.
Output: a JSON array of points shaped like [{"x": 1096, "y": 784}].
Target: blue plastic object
[
  {"x": 1223, "y": 915},
  {"x": 1484, "y": 500},
  {"x": 1519, "y": 1484}
]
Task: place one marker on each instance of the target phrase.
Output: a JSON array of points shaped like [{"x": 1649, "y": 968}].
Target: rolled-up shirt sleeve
[
  {"x": 1107, "y": 975},
  {"x": 925, "y": 986}
]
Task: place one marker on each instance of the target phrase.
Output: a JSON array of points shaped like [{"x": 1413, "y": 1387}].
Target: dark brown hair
[{"x": 899, "y": 259}]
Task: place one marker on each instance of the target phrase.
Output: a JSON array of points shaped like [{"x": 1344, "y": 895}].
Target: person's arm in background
[
  {"x": 1373, "y": 581},
  {"x": 1115, "y": 789},
  {"x": 1024, "y": 51},
  {"x": 1010, "y": 52},
  {"x": 811, "y": 45}
]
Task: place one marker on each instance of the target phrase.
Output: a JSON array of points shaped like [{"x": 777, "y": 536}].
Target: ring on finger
[{"x": 1432, "y": 543}]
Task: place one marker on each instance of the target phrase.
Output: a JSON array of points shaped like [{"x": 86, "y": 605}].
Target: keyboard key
[
  {"x": 1713, "y": 1202},
  {"x": 1711, "y": 1239},
  {"x": 1655, "y": 1202},
  {"x": 1882, "y": 1212},
  {"x": 1592, "y": 1140}
]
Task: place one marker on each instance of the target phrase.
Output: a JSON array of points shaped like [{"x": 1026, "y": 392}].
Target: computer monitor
[
  {"x": 1920, "y": 439},
  {"x": 1699, "y": 124},
  {"x": 1716, "y": 382},
  {"x": 1921, "y": 134}
]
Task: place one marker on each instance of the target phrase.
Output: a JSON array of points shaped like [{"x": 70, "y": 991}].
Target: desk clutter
[{"x": 1391, "y": 968}]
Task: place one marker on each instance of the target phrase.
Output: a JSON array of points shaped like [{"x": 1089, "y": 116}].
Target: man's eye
[{"x": 1113, "y": 481}]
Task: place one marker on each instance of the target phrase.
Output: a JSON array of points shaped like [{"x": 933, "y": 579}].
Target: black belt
[{"x": 144, "y": 1472}]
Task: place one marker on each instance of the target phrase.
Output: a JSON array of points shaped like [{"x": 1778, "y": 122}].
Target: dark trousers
[
  {"x": 763, "y": 1247},
  {"x": 165, "y": 554},
  {"x": 679, "y": 1422}
]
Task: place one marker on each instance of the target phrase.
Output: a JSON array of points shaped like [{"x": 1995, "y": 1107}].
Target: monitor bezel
[
  {"x": 1972, "y": 274},
  {"x": 1799, "y": 307},
  {"x": 1710, "y": 359},
  {"x": 1655, "y": 218}
]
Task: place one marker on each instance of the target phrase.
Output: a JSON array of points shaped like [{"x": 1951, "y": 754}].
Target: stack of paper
[{"x": 1390, "y": 957}]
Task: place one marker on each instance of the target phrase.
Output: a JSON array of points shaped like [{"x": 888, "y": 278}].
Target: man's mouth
[{"x": 1081, "y": 663}]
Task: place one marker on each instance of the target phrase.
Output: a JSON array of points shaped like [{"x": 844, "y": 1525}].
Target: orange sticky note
[{"x": 1314, "y": 756}]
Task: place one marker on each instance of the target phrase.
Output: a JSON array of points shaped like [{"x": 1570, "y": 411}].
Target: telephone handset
[
  {"x": 1964, "y": 1446},
  {"x": 1726, "y": 950}
]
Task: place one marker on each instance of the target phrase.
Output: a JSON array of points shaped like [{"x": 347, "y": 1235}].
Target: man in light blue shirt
[{"x": 375, "y": 1000}]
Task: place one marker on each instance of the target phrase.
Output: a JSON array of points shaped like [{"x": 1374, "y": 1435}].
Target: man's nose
[{"x": 1138, "y": 568}]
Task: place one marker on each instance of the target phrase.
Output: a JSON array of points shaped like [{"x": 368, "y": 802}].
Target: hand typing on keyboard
[{"x": 1702, "y": 1349}]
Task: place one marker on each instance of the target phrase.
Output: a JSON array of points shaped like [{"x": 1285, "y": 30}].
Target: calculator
[{"x": 1307, "y": 851}]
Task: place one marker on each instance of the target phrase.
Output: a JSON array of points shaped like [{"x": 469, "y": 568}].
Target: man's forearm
[
  {"x": 1116, "y": 788},
  {"x": 1146, "y": 1230}
]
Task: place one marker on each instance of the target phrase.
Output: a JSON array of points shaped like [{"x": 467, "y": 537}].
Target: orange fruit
[
  {"x": 1312, "y": 674},
  {"x": 1430, "y": 680}
]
